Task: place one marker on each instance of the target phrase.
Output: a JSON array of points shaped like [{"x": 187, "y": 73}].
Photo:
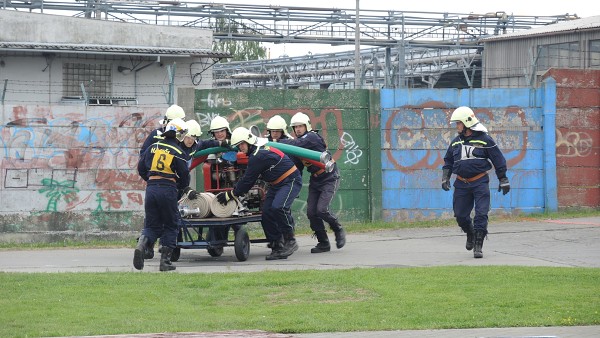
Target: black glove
[
  {"x": 504, "y": 185},
  {"x": 446, "y": 179},
  {"x": 224, "y": 144},
  {"x": 190, "y": 193},
  {"x": 225, "y": 196}
]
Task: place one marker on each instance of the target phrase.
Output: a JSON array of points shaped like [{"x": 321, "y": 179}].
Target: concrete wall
[
  {"x": 27, "y": 79},
  {"x": 47, "y": 28},
  {"x": 416, "y": 133},
  {"x": 347, "y": 119},
  {"x": 577, "y": 137},
  {"x": 74, "y": 168},
  {"x": 34, "y": 77}
]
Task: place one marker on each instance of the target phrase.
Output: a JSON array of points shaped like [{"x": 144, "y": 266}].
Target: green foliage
[
  {"x": 240, "y": 50},
  {"x": 65, "y": 304}
]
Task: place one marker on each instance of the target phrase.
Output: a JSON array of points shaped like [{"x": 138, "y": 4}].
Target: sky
[{"x": 582, "y": 8}]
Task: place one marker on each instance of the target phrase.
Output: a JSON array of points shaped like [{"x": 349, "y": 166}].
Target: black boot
[
  {"x": 149, "y": 252},
  {"x": 323, "y": 245},
  {"x": 165, "y": 259},
  {"x": 138, "y": 254},
  {"x": 276, "y": 251},
  {"x": 289, "y": 245},
  {"x": 340, "y": 237},
  {"x": 470, "y": 238},
  {"x": 479, "y": 237}
]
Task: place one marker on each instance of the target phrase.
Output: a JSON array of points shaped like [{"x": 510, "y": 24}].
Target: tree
[{"x": 240, "y": 50}]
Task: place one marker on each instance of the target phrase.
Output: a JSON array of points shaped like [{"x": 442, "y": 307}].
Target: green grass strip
[{"x": 64, "y": 304}]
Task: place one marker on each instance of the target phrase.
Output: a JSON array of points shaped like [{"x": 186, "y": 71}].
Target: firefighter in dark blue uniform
[
  {"x": 272, "y": 166},
  {"x": 173, "y": 112},
  {"x": 277, "y": 129},
  {"x": 192, "y": 142},
  {"x": 322, "y": 187},
  {"x": 163, "y": 166},
  {"x": 470, "y": 156}
]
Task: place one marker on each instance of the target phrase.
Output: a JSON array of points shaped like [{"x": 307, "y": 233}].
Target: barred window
[
  {"x": 560, "y": 55},
  {"x": 96, "y": 79},
  {"x": 595, "y": 53}
]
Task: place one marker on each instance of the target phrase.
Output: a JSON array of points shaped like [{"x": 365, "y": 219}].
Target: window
[
  {"x": 96, "y": 79},
  {"x": 595, "y": 53},
  {"x": 560, "y": 55}
]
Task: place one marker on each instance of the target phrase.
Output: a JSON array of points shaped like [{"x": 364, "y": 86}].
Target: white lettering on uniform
[{"x": 466, "y": 152}]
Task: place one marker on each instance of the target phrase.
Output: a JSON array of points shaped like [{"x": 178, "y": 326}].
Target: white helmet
[
  {"x": 173, "y": 112},
  {"x": 193, "y": 128},
  {"x": 219, "y": 123},
  {"x": 241, "y": 134},
  {"x": 276, "y": 123},
  {"x": 467, "y": 117},
  {"x": 176, "y": 128},
  {"x": 301, "y": 119},
  {"x": 464, "y": 115}
]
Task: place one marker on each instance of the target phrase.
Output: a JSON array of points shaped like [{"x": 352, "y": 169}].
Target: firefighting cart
[{"x": 202, "y": 229}]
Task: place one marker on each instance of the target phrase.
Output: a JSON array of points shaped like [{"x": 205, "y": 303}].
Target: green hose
[
  {"x": 208, "y": 151},
  {"x": 289, "y": 149}
]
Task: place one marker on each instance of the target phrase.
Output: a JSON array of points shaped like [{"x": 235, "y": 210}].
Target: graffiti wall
[
  {"x": 72, "y": 167},
  {"x": 416, "y": 134},
  {"x": 346, "y": 119},
  {"x": 577, "y": 137}
]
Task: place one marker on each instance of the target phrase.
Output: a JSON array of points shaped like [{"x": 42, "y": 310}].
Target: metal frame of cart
[{"x": 192, "y": 235}]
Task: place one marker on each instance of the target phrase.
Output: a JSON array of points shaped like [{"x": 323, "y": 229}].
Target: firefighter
[
  {"x": 191, "y": 141},
  {"x": 272, "y": 166},
  {"x": 277, "y": 129},
  {"x": 322, "y": 186},
  {"x": 470, "y": 156},
  {"x": 163, "y": 166},
  {"x": 219, "y": 128},
  {"x": 173, "y": 112}
]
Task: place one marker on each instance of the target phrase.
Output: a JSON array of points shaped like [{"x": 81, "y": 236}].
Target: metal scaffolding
[{"x": 407, "y": 48}]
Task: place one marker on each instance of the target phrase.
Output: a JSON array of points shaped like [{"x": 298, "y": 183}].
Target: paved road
[
  {"x": 561, "y": 243},
  {"x": 573, "y": 243}
]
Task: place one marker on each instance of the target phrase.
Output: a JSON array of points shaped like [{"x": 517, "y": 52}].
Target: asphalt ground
[{"x": 559, "y": 243}]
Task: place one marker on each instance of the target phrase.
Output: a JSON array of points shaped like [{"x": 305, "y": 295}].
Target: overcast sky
[{"x": 582, "y": 8}]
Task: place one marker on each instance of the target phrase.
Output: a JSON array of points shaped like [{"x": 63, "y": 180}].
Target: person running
[{"x": 470, "y": 156}]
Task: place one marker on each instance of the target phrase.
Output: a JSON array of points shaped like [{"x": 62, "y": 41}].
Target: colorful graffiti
[
  {"x": 99, "y": 148},
  {"x": 425, "y": 127},
  {"x": 255, "y": 108}
]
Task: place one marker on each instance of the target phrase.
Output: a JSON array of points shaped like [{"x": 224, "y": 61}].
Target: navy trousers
[
  {"x": 162, "y": 214},
  {"x": 319, "y": 198},
  {"x": 276, "y": 212},
  {"x": 468, "y": 195}
]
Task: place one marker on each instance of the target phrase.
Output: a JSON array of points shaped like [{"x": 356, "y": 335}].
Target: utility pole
[{"x": 357, "y": 49}]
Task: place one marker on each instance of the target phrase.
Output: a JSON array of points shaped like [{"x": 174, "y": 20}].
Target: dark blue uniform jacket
[
  {"x": 313, "y": 141},
  {"x": 266, "y": 163},
  {"x": 151, "y": 139},
  {"x": 472, "y": 155},
  {"x": 166, "y": 159}
]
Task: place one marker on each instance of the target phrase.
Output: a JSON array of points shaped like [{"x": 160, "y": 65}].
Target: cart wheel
[
  {"x": 175, "y": 254},
  {"x": 242, "y": 244},
  {"x": 215, "y": 252}
]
